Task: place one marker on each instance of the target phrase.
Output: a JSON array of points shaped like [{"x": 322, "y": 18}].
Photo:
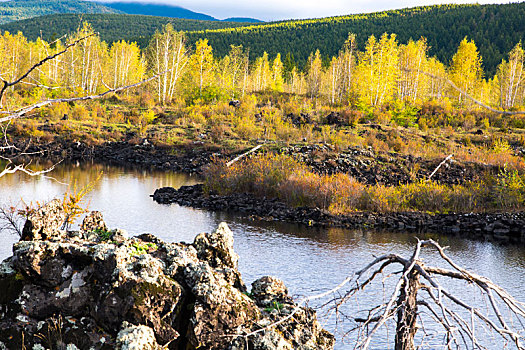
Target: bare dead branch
[
  {"x": 23, "y": 111},
  {"x": 10, "y": 220},
  {"x": 440, "y": 165},
  {"x": 11, "y": 168},
  {"x": 473, "y": 99},
  {"x": 38, "y": 64},
  {"x": 243, "y": 155},
  {"x": 441, "y": 305}
]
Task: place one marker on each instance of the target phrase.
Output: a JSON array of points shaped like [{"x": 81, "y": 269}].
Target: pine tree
[{"x": 288, "y": 66}]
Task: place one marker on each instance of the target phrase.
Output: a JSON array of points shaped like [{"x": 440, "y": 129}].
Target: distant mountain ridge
[
  {"x": 111, "y": 27},
  {"x": 136, "y": 8},
  {"x": 166, "y": 10},
  {"x": 14, "y": 10},
  {"x": 242, "y": 20}
]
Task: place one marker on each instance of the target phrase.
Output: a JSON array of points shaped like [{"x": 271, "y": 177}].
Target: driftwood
[
  {"x": 440, "y": 165},
  {"x": 243, "y": 155},
  {"x": 419, "y": 290}
]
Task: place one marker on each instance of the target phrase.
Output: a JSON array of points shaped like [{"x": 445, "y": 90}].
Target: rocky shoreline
[
  {"x": 97, "y": 289},
  {"x": 363, "y": 164},
  {"x": 385, "y": 168},
  {"x": 144, "y": 155},
  {"x": 501, "y": 227}
]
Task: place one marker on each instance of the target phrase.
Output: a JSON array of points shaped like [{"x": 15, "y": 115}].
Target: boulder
[
  {"x": 82, "y": 292},
  {"x": 133, "y": 337},
  {"x": 45, "y": 222},
  {"x": 234, "y": 103},
  {"x": 217, "y": 248},
  {"x": 93, "y": 222},
  {"x": 269, "y": 290}
]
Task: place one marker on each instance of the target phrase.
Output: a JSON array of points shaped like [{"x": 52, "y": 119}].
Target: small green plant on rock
[
  {"x": 104, "y": 235},
  {"x": 274, "y": 306},
  {"x": 139, "y": 248}
]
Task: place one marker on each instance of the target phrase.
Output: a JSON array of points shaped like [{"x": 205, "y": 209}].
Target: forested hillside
[
  {"x": 494, "y": 28},
  {"x": 112, "y": 27},
  {"x": 14, "y": 10}
]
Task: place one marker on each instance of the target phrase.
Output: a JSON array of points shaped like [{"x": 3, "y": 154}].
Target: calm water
[{"x": 308, "y": 260}]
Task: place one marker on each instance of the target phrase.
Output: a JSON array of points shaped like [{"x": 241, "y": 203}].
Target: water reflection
[{"x": 309, "y": 260}]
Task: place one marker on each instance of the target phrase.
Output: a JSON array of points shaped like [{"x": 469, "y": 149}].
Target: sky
[{"x": 273, "y": 10}]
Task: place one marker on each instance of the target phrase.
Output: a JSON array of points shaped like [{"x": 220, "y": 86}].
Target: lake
[{"x": 309, "y": 260}]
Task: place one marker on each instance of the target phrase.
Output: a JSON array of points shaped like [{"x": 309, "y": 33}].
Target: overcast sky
[{"x": 271, "y": 10}]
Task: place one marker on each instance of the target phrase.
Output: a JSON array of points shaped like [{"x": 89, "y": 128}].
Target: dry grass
[{"x": 282, "y": 177}]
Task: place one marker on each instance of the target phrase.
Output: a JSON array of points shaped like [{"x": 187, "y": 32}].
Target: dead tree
[{"x": 419, "y": 290}]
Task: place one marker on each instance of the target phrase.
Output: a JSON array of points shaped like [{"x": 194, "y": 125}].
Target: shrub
[
  {"x": 509, "y": 189},
  {"x": 282, "y": 177}
]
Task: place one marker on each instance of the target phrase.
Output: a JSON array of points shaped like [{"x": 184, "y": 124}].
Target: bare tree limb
[
  {"x": 243, "y": 155},
  {"x": 440, "y": 165},
  {"x": 21, "y": 112},
  {"x": 38, "y": 64},
  {"x": 456, "y": 317},
  {"x": 10, "y": 168},
  {"x": 460, "y": 90}
]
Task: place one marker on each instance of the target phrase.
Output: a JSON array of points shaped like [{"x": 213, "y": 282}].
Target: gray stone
[
  {"x": 45, "y": 222},
  {"x": 93, "y": 222},
  {"x": 217, "y": 248},
  {"x": 143, "y": 293},
  {"x": 268, "y": 289},
  {"x": 133, "y": 337}
]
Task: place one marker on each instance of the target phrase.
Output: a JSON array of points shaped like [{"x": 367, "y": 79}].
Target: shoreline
[
  {"x": 499, "y": 227},
  {"x": 363, "y": 164},
  {"x": 123, "y": 153}
]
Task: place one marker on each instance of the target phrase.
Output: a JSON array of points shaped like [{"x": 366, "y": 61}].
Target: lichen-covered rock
[
  {"x": 217, "y": 248},
  {"x": 219, "y": 307},
  {"x": 301, "y": 332},
  {"x": 267, "y": 290},
  {"x": 45, "y": 222},
  {"x": 93, "y": 222},
  {"x": 86, "y": 292},
  {"x": 133, "y": 337}
]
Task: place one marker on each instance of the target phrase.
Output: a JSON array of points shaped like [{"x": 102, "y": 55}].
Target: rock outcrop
[{"x": 96, "y": 289}]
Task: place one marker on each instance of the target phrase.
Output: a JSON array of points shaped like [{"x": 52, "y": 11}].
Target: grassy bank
[
  {"x": 282, "y": 177},
  {"x": 435, "y": 130}
]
